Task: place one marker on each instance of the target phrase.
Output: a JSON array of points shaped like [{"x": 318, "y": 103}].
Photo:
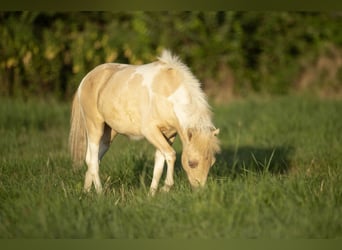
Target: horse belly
[
  {"x": 124, "y": 121},
  {"x": 124, "y": 110}
]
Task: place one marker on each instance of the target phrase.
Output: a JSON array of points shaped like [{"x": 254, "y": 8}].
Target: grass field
[{"x": 279, "y": 176}]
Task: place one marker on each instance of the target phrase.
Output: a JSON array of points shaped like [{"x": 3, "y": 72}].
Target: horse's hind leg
[
  {"x": 99, "y": 138},
  {"x": 92, "y": 174},
  {"x": 94, "y": 134}
]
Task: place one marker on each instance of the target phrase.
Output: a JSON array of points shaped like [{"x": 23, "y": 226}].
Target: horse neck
[{"x": 182, "y": 133}]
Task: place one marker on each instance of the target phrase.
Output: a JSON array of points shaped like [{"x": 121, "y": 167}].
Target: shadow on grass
[{"x": 232, "y": 161}]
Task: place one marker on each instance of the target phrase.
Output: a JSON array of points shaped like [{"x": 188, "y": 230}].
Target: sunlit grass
[{"x": 279, "y": 175}]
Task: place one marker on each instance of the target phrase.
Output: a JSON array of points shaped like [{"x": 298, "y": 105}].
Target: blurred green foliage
[{"x": 48, "y": 53}]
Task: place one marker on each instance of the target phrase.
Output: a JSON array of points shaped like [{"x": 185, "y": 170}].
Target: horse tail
[{"x": 77, "y": 135}]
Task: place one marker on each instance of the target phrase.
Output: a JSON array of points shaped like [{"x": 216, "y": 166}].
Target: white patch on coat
[
  {"x": 148, "y": 73},
  {"x": 180, "y": 99}
]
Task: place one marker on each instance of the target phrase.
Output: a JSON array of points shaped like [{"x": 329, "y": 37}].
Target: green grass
[{"x": 279, "y": 176}]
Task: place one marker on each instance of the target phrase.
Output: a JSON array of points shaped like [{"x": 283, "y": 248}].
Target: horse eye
[{"x": 193, "y": 164}]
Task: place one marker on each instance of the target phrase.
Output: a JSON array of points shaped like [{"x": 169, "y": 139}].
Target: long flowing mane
[{"x": 197, "y": 111}]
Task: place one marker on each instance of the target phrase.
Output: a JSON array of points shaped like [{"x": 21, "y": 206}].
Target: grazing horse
[{"x": 155, "y": 101}]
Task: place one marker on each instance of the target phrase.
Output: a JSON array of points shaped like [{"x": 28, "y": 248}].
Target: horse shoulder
[{"x": 166, "y": 81}]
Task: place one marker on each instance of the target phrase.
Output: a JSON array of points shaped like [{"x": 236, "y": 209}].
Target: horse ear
[{"x": 216, "y": 132}]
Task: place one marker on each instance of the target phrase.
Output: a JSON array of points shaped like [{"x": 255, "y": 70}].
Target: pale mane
[{"x": 198, "y": 111}]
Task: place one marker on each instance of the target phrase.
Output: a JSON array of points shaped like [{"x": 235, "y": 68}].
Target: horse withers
[{"x": 155, "y": 101}]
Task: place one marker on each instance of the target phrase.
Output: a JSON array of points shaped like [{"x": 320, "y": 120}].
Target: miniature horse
[{"x": 155, "y": 101}]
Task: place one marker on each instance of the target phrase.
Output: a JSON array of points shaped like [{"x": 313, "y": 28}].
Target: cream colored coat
[{"x": 155, "y": 101}]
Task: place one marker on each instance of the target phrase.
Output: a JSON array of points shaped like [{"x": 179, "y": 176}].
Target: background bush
[{"x": 232, "y": 53}]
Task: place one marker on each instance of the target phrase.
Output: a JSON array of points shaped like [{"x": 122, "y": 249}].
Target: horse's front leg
[
  {"x": 157, "y": 171},
  {"x": 164, "y": 152},
  {"x": 170, "y": 159}
]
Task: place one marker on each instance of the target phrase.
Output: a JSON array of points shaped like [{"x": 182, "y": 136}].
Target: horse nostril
[{"x": 193, "y": 164}]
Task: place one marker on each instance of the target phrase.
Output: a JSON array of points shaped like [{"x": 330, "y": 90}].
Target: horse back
[{"x": 126, "y": 96}]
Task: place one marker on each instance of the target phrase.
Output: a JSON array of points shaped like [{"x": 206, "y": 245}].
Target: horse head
[{"x": 198, "y": 154}]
